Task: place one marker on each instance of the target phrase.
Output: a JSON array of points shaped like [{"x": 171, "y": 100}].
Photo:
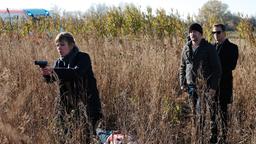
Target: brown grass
[{"x": 138, "y": 83}]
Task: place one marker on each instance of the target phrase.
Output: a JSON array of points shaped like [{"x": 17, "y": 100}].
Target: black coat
[
  {"x": 228, "y": 54},
  {"x": 77, "y": 83}
]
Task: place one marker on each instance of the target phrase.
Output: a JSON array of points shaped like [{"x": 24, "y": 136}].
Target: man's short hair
[{"x": 222, "y": 26}]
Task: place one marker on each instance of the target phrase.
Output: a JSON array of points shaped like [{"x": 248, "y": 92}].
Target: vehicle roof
[{"x": 37, "y": 12}]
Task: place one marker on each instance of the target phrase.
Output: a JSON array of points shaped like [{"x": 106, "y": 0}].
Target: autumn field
[{"x": 135, "y": 59}]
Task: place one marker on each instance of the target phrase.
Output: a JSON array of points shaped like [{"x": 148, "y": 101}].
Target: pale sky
[{"x": 183, "y": 6}]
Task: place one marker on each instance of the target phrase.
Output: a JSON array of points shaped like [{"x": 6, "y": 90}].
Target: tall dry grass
[
  {"x": 138, "y": 84},
  {"x": 137, "y": 77}
]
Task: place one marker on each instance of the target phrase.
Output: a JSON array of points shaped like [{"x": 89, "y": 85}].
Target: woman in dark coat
[{"x": 78, "y": 89}]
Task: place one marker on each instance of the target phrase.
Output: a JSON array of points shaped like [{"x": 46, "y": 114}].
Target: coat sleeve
[
  {"x": 233, "y": 57},
  {"x": 229, "y": 57},
  {"x": 93, "y": 101},
  {"x": 182, "y": 69},
  {"x": 67, "y": 74},
  {"x": 215, "y": 66}
]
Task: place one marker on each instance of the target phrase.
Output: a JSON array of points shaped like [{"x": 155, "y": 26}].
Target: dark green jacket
[{"x": 204, "y": 60}]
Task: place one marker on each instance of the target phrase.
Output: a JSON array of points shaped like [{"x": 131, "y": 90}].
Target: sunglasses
[{"x": 216, "y": 32}]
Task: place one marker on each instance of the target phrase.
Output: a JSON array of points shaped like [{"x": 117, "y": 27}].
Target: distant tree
[
  {"x": 213, "y": 9},
  {"x": 55, "y": 11},
  {"x": 253, "y": 21},
  {"x": 231, "y": 21},
  {"x": 99, "y": 9}
]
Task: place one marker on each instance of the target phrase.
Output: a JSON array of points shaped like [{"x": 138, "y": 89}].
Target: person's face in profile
[{"x": 63, "y": 48}]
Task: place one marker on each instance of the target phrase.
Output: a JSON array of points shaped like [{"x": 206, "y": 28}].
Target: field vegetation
[{"x": 135, "y": 57}]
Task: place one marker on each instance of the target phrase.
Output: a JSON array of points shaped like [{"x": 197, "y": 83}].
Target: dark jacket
[
  {"x": 228, "y": 54},
  {"x": 77, "y": 83},
  {"x": 205, "y": 60}
]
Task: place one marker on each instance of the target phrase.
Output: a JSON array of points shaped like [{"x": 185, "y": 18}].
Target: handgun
[{"x": 42, "y": 64}]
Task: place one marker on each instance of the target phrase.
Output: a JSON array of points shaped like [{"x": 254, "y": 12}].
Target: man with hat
[{"x": 200, "y": 62}]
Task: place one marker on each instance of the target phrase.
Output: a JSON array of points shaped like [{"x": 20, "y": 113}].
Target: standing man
[
  {"x": 200, "y": 58},
  {"x": 228, "y": 54}
]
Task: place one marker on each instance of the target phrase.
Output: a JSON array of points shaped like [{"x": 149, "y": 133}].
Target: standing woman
[{"x": 78, "y": 89}]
